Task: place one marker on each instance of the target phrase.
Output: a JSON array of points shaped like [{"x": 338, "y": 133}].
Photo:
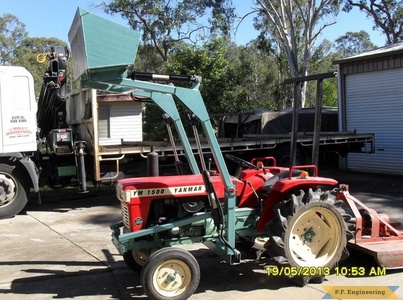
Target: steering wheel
[{"x": 241, "y": 162}]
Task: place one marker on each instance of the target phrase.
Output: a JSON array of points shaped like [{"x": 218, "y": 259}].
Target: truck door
[{"x": 18, "y": 110}]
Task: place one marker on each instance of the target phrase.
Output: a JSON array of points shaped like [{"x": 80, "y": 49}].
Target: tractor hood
[{"x": 167, "y": 186}]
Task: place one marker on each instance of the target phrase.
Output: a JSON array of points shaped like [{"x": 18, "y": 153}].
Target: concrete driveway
[{"x": 62, "y": 249}]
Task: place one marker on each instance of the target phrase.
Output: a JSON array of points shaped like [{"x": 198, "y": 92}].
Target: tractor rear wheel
[
  {"x": 170, "y": 273},
  {"x": 136, "y": 258},
  {"x": 308, "y": 230}
]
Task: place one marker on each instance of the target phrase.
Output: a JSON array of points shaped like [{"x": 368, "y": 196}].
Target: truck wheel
[
  {"x": 135, "y": 259},
  {"x": 170, "y": 273},
  {"x": 13, "y": 195},
  {"x": 308, "y": 230}
]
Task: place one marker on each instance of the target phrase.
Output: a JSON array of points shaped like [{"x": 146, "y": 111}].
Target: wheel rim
[
  {"x": 140, "y": 256},
  {"x": 172, "y": 278},
  {"x": 314, "y": 237},
  {"x": 7, "y": 189}
]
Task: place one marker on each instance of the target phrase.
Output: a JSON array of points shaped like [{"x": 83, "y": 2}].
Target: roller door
[
  {"x": 374, "y": 104},
  {"x": 120, "y": 122}
]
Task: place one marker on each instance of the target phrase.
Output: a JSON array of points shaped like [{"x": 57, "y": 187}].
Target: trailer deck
[{"x": 248, "y": 143}]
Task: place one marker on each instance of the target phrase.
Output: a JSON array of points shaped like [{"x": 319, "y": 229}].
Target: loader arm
[{"x": 96, "y": 70}]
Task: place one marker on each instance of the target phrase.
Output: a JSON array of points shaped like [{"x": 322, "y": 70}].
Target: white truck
[
  {"x": 18, "y": 141},
  {"x": 60, "y": 138}
]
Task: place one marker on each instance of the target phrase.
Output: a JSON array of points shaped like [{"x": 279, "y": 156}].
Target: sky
[{"x": 52, "y": 18}]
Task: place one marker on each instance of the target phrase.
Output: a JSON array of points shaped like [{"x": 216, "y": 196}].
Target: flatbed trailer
[
  {"x": 359, "y": 142},
  {"x": 275, "y": 145},
  {"x": 115, "y": 156}
]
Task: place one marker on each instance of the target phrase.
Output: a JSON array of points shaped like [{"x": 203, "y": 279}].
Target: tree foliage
[
  {"x": 234, "y": 78},
  {"x": 353, "y": 43},
  {"x": 147, "y": 60},
  {"x": 386, "y": 14},
  {"x": 209, "y": 63},
  {"x": 166, "y": 22},
  {"x": 12, "y": 34},
  {"x": 322, "y": 62}
]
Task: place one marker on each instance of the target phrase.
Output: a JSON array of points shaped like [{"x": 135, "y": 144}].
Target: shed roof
[{"x": 388, "y": 50}]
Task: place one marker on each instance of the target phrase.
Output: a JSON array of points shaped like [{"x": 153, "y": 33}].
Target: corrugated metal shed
[{"x": 371, "y": 100}]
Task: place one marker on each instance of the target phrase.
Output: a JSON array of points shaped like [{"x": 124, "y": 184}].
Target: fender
[
  {"x": 282, "y": 188},
  {"x": 28, "y": 165}
]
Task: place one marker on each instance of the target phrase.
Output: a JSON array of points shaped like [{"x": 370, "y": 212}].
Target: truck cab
[
  {"x": 17, "y": 139},
  {"x": 18, "y": 110}
]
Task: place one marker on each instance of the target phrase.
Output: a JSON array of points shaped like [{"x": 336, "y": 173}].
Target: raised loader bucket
[{"x": 100, "y": 47}]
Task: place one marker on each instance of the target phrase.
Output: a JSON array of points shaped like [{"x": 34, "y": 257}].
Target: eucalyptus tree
[
  {"x": 254, "y": 73},
  {"x": 353, "y": 43},
  {"x": 12, "y": 33},
  {"x": 295, "y": 26}
]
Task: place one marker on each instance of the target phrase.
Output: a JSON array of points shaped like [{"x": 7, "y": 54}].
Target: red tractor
[
  {"x": 298, "y": 220},
  {"x": 279, "y": 211}
]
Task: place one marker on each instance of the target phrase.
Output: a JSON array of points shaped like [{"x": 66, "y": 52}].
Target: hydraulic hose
[
  {"x": 215, "y": 205},
  {"x": 178, "y": 163},
  {"x": 217, "y": 212}
]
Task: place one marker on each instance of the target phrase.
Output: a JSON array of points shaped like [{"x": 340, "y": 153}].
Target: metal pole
[
  {"x": 82, "y": 176},
  {"x": 294, "y": 130},
  {"x": 297, "y": 94},
  {"x": 318, "y": 122}
]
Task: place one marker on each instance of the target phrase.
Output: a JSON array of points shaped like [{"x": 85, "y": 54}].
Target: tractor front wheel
[
  {"x": 170, "y": 273},
  {"x": 308, "y": 230}
]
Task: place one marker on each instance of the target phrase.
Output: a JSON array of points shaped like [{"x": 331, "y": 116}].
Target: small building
[
  {"x": 371, "y": 100},
  {"x": 111, "y": 120}
]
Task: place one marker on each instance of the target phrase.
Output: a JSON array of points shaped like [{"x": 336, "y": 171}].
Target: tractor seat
[{"x": 267, "y": 186}]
